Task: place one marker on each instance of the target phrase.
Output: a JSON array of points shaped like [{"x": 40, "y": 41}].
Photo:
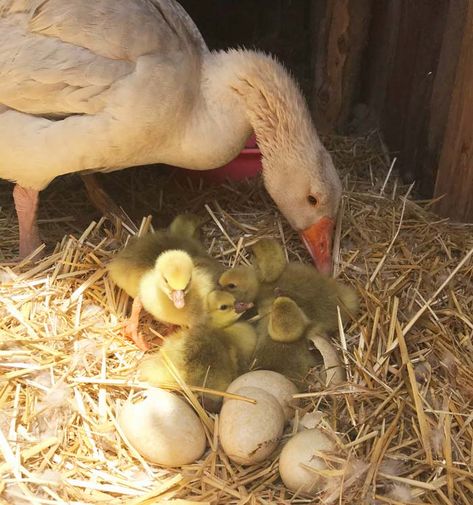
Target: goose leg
[
  {"x": 131, "y": 328},
  {"x": 101, "y": 200},
  {"x": 26, "y": 205}
]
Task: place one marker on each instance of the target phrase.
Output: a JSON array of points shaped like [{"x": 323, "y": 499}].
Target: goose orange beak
[{"x": 318, "y": 240}]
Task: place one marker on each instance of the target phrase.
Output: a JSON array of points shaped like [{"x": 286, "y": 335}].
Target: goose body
[
  {"x": 90, "y": 89},
  {"x": 138, "y": 257},
  {"x": 167, "y": 272},
  {"x": 101, "y": 85},
  {"x": 281, "y": 346}
]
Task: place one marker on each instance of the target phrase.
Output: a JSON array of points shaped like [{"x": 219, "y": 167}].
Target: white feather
[
  {"x": 346, "y": 484},
  {"x": 86, "y": 353},
  {"x": 401, "y": 493}
]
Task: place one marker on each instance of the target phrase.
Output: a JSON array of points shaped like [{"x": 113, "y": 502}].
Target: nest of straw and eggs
[{"x": 402, "y": 421}]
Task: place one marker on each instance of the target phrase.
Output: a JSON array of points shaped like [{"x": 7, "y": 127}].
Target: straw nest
[{"x": 402, "y": 421}]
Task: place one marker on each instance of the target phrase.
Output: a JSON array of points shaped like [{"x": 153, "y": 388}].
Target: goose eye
[
  {"x": 223, "y": 307},
  {"x": 312, "y": 200},
  {"x": 231, "y": 285}
]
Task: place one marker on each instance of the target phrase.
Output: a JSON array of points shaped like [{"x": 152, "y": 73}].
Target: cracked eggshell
[
  {"x": 300, "y": 450},
  {"x": 273, "y": 383},
  {"x": 249, "y": 432},
  {"x": 164, "y": 429}
]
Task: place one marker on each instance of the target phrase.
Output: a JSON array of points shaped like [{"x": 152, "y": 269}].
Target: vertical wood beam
[
  {"x": 380, "y": 55},
  {"x": 444, "y": 81},
  {"x": 342, "y": 31},
  {"x": 455, "y": 169}
]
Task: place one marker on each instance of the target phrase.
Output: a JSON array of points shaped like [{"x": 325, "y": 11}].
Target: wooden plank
[
  {"x": 380, "y": 55},
  {"x": 406, "y": 113},
  {"x": 455, "y": 171},
  {"x": 444, "y": 81},
  {"x": 341, "y": 33},
  {"x": 410, "y": 66}
]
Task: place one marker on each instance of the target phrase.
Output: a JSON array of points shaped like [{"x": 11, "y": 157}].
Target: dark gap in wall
[{"x": 280, "y": 27}]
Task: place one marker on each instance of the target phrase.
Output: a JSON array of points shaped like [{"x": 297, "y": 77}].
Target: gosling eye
[
  {"x": 223, "y": 307},
  {"x": 312, "y": 200},
  {"x": 186, "y": 289},
  {"x": 165, "y": 280},
  {"x": 231, "y": 285}
]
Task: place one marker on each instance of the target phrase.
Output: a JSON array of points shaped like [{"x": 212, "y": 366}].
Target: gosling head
[
  {"x": 269, "y": 259},
  {"x": 223, "y": 309},
  {"x": 186, "y": 225},
  {"x": 173, "y": 272},
  {"x": 287, "y": 321},
  {"x": 242, "y": 282}
]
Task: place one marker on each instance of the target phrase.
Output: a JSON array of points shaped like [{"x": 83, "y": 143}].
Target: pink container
[{"x": 246, "y": 165}]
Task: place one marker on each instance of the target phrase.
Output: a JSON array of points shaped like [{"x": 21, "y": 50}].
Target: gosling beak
[
  {"x": 318, "y": 240},
  {"x": 279, "y": 292},
  {"x": 241, "y": 307},
  {"x": 178, "y": 298}
]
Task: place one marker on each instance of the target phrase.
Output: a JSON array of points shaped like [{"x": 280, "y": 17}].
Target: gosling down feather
[
  {"x": 211, "y": 354},
  {"x": 281, "y": 345},
  {"x": 269, "y": 277},
  {"x": 169, "y": 273}
]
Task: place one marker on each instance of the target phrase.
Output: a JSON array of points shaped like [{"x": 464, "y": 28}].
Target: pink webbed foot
[
  {"x": 131, "y": 331},
  {"x": 131, "y": 327}
]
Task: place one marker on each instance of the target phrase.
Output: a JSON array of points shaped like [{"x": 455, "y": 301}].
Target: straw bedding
[{"x": 402, "y": 422}]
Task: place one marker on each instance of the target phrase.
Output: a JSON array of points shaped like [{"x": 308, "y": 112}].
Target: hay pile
[{"x": 403, "y": 420}]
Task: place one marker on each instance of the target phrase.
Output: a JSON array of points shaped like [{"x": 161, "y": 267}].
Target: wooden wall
[
  {"x": 402, "y": 63},
  {"x": 455, "y": 168},
  {"x": 339, "y": 37},
  {"x": 410, "y": 64}
]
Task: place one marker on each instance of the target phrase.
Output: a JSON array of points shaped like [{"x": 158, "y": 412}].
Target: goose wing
[{"x": 62, "y": 57}]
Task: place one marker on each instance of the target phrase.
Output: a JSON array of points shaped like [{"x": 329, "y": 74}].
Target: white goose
[{"x": 100, "y": 85}]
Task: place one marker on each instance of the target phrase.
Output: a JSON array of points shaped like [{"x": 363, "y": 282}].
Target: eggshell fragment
[
  {"x": 163, "y": 429},
  {"x": 249, "y": 432},
  {"x": 299, "y": 451},
  {"x": 273, "y": 383},
  {"x": 333, "y": 370}
]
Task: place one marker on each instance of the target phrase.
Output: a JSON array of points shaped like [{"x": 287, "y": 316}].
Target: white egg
[
  {"x": 163, "y": 428},
  {"x": 299, "y": 451},
  {"x": 272, "y": 382},
  {"x": 249, "y": 432}
]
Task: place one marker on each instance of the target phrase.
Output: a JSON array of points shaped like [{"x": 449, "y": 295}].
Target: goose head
[
  {"x": 186, "y": 225},
  {"x": 307, "y": 190},
  {"x": 241, "y": 282},
  {"x": 223, "y": 309},
  {"x": 287, "y": 322},
  {"x": 173, "y": 272},
  {"x": 298, "y": 171}
]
